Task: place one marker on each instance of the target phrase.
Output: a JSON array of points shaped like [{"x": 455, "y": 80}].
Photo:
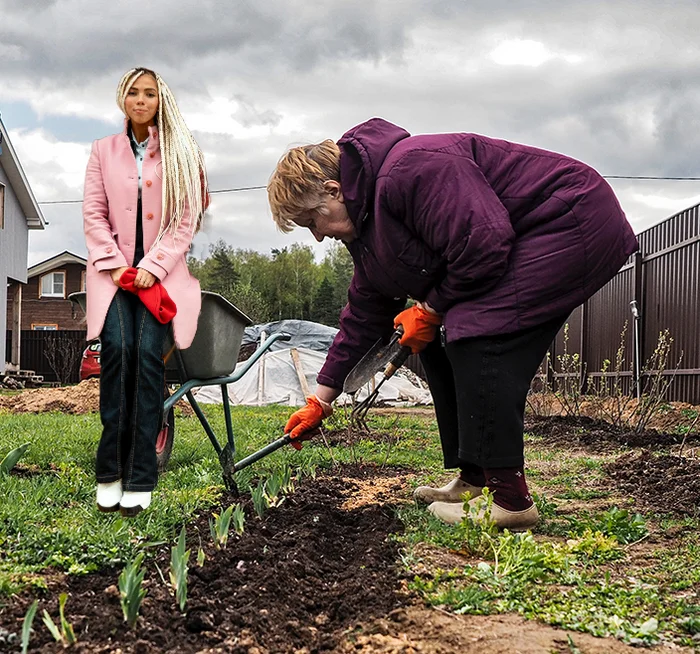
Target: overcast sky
[{"x": 614, "y": 83}]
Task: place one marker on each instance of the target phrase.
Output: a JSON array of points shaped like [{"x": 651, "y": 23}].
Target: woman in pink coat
[{"x": 145, "y": 194}]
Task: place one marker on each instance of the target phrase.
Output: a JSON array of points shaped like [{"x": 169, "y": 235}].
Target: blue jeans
[{"x": 132, "y": 379}]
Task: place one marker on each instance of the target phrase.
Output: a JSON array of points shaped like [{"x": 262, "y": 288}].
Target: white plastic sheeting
[
  {"x": 273, "y": 379},
  {"x": 304, "y": 334}
]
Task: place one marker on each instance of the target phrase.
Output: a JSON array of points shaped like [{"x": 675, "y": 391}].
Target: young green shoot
[
  {"x": 260, "y": 503},
  {"x": 179, "y": 557},
  {"x": 131, "y": 590},
  {"x": 238, "y": 519},
  {"x": 219, "y": 527},
  {"x": 65, "y": 635},
  {"x": 27, "y": 625},
  {"x": 11, "y": 459}
]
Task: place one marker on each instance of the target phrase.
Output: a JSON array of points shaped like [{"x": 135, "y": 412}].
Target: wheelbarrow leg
[
  {"x": 225, "y": 453},
  {"x": 203, "y": 420},
  {"x": 227, "y": 456}
]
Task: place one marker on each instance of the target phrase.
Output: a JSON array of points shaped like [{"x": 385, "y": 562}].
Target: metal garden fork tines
[{"x": 360, "y": 409}]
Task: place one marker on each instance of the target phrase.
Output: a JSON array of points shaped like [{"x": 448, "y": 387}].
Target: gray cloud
[{"x": 303, "y": 71}]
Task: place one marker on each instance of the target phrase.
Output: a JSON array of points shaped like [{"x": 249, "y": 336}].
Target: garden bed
[{"x": 347, "y": 563}]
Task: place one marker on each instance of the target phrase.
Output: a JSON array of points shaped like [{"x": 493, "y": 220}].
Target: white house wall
[{"x": 14, "y": 241}]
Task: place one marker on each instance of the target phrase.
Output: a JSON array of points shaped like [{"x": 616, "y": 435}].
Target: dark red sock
[
  {"x": 509, "y": 488},
  {"x": 472, "y": 474}
]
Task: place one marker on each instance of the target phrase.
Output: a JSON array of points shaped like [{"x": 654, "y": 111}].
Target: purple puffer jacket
[{"x": 496, "y": 236}]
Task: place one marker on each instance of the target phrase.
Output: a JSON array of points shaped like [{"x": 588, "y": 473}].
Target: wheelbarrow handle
[{"x": 262, "y": 452}]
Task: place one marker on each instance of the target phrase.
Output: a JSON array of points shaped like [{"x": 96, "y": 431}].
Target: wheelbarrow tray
[{"x": 216, "y": 345}]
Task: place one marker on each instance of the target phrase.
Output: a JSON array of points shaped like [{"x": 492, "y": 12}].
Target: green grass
[
  {"x": 590, "y": 567},
  {"x": 48, "y": 518}
]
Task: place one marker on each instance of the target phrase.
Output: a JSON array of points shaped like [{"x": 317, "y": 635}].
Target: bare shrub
[
  {"x": 570, "y": 379},
  {"x": 656, "y": 383},
  {"x": 540, "y": 397},
  {"x": 62, "y": 353}
]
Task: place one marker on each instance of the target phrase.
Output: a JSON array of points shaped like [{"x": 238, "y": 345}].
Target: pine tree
[{"x": 325, "y": 310}]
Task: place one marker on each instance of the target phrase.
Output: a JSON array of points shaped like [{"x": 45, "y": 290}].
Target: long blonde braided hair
[{"x": 184, "y": 172}]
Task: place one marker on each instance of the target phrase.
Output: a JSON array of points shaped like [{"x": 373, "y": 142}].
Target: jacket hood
[{"x": 362, "y": 153}]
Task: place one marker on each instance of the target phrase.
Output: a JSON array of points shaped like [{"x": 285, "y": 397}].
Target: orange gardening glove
[
  {"x": 302, "y": 422},
  {"x": 419, "y": 327}
]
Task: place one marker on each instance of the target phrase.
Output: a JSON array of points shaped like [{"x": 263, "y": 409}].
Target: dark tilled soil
[
  {"x": 597, "y": 435},
  {"x": 659, "y": 483},
  {"x": 294, "y": 581}
]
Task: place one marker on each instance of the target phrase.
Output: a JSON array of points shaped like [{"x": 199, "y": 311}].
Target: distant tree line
[{"x": 287, "y": 283}]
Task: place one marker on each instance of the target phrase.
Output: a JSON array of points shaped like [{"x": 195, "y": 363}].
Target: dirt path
[
  {"x": 416, "y": 629},
  {"x": 81, "y": 398}
]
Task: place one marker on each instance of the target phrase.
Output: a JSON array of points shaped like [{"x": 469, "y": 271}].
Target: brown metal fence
[
  {"x": 34, "y": 347},
  {"x": 663, "y": 278}
]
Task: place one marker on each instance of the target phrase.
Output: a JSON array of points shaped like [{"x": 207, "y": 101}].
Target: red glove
[
  {"x": 419, "y": 327},
  {"x": 302, "y": 422},
  {"x": 155, "y": 299}
]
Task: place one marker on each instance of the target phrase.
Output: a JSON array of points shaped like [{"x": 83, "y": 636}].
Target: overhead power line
[{"x": 260, "y": 188}]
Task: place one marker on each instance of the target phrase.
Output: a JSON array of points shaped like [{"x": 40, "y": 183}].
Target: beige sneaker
[
  {"x": 452, "y": 492},
  {"x": 453, "y": 514}
]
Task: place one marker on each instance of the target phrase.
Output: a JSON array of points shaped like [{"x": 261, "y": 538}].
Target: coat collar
[
  {"x": 363, "y": 150},
  {"x": 153, "y": 141}
]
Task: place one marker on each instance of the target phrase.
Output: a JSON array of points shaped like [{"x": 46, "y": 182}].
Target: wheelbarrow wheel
[{"x": 166, "y": 437}]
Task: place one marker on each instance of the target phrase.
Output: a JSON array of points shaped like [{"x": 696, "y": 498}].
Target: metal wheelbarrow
[{"x": 209, "y": 361}]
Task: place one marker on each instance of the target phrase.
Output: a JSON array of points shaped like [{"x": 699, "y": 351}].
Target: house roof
[
  {"x": 57, "y": 260},
  {"x": 18, "y": 180}
]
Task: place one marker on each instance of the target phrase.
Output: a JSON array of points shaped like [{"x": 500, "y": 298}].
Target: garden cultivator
[{"x": 386, "y": 359}]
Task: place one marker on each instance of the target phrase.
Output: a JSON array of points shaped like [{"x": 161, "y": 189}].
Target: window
[
  {"x": 82, "y": 280},
  {"x": 2, "y": 206},
  {"x": 44, "y": 328},
  {"x": 53, "y": 285}
]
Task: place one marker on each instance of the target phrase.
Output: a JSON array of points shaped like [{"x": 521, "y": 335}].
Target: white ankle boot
[
  {"x": 133, "y": 502},
  {"x": 109, "y": 496}
]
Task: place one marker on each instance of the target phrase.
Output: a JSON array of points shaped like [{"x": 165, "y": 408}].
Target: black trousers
[{"x": 479, "y": 387}]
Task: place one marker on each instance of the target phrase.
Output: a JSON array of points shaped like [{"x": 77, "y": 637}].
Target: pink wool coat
[{"x": 109, "y": 214}]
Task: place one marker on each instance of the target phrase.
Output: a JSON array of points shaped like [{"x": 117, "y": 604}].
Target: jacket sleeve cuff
[
  {"x": 436, "y": 302},
  {"x": 328, "y": 381},
  {"x": 159, "y": 271},
  {"x": 109, "y": 260}
]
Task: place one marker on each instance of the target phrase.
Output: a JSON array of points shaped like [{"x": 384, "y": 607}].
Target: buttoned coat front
[{"x": 110, "y": 206}]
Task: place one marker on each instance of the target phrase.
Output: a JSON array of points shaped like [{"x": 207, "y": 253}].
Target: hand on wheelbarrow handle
[{"x": 303, "y": 421}]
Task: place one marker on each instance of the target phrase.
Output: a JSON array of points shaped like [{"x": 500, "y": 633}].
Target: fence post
[
  {"x": 583, "y": 345},
  {"x": 637, "y": 306},
  {"x": 16, "y": 325}
]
